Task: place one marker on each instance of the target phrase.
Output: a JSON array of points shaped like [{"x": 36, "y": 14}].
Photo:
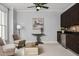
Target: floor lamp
[{"x": 19, "y": 27}]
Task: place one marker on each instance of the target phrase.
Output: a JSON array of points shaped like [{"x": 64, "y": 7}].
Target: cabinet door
[
  {"x": 63, "y": 40},
  {"x": 73, "y": 42},
  {"x": 59, "y": 37}
]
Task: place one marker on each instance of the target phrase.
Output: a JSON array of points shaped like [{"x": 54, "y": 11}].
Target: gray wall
[{"x": 51, "y": 24}]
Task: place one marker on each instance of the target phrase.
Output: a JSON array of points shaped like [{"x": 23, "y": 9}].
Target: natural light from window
[{"x": 3, "y": 25}]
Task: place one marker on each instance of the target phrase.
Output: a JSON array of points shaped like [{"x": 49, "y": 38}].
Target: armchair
[{"x": 6, "y": 49}]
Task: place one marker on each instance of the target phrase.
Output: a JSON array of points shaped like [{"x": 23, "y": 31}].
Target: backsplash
[{"x": 74, "y": 28}]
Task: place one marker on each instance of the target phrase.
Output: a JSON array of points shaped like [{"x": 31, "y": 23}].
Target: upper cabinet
[{"x": 70, "y": 17}]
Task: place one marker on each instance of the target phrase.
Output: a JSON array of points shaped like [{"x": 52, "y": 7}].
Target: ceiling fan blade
[
  {"x": 31, "y": 7},
  {"x": 45, "y": 7},
  {"x": 42, "y": 3},
  {"x": 39, "y": 4}
]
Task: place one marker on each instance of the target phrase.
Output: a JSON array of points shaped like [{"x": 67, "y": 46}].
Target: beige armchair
[
  {"x": 18, "y": 41},
  {"x": 6, "y": 49}
]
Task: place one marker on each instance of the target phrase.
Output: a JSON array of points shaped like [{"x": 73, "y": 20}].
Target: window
[{"x": 3, "y": 25}]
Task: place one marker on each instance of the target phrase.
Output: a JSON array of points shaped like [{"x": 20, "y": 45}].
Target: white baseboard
[{"x": 45, "y": 42}]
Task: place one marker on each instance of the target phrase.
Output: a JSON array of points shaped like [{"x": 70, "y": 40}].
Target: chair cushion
[
  {"x": 1, "y": 42},
  {"x": 8, "y": 46},
  {"x": 17, "y": 41}
]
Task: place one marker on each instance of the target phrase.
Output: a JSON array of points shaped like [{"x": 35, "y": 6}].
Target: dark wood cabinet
[
  {"x": 71, "y": 40},
  {"x": 70, "y": 17},
  {"x": 59, "y": 36}
]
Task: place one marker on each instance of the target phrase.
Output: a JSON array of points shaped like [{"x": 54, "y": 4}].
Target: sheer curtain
[{"x": 3, "y": 24}]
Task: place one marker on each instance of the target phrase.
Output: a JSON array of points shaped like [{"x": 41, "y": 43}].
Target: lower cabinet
[
  {"x": 69, "y": 40},
  {"x": 73, "y": 42},
  {"x": 61, "y": 38}
]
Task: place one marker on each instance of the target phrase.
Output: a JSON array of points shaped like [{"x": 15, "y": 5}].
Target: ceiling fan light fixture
[{"x": 38, "y": 7}]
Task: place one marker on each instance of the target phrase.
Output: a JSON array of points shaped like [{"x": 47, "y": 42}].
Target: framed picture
[{"x": 38, "y": 25}]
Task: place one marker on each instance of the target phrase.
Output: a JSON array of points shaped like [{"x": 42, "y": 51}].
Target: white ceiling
[{"x": 57, "y": 7}]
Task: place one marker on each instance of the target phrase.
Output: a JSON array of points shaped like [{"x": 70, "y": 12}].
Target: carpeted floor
[{"x": 53, "y": 49}]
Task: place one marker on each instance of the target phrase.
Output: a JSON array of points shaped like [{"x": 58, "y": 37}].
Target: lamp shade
[{"x": 19, "y": 26}]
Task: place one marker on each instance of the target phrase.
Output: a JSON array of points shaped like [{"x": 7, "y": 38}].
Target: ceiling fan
[{"x": 38, "y": 6}]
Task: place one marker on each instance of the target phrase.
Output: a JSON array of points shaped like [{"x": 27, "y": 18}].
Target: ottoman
[{"x": 31, "y": 49}]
